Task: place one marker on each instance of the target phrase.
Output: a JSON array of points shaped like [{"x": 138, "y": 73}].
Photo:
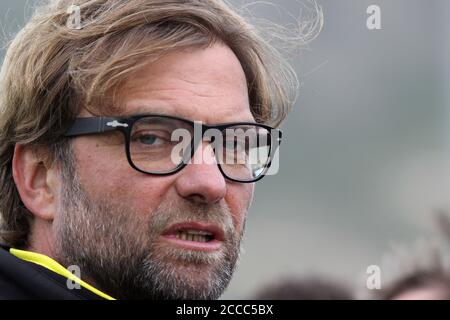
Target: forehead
[{"x": 203, "y": 84}]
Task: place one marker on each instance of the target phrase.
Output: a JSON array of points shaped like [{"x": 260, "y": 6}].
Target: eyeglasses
[{"x": 163, "y": 145}]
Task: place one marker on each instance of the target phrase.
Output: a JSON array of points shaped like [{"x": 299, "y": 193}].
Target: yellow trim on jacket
[{"x": 54, "y": 266}]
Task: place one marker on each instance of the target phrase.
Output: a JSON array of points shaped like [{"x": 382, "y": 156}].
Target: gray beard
[{"x": 117, "y": 250}]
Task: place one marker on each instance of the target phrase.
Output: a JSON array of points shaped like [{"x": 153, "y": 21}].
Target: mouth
[{"x": 195, "y": 236}]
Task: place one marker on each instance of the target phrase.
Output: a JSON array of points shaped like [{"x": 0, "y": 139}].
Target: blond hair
[{"x": 51, "y": 71}]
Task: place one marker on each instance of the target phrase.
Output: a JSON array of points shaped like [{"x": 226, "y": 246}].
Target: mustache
[{"x": 170, "y": 213}]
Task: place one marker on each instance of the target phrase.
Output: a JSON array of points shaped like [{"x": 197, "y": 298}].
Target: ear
[{"x": 36, "y": 181}]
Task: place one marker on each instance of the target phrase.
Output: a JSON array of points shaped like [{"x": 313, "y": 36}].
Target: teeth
[
  {"x": 200, "y": 232},
  {"x": 194, "y": 235}
]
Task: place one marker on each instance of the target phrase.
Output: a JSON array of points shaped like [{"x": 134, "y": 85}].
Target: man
[{"x": 94, "y": 203}]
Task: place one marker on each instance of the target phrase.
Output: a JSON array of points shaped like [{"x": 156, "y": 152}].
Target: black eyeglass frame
[{"x": 94, "y": 125}]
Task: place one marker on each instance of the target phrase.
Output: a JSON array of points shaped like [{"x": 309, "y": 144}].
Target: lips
[{"x": 195, "y": 236}]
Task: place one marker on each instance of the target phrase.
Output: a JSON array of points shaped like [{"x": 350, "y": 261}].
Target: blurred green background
[{"x": 366, "y": 155}]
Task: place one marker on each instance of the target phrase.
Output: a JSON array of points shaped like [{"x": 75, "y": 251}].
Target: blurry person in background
[
  {"x": 91, "y": 191},
  {"x": 420, "y": 270},
  {"x": 310, "y": 288},
  {"x": 422, "y": 285}
]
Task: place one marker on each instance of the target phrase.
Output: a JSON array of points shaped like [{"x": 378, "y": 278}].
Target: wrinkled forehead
[{"x": 201, "y": 84}]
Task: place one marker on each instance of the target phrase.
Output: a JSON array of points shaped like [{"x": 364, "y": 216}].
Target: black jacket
[{"x": 23, "y": 280}]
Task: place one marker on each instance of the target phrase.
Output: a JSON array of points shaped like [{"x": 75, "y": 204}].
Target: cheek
[
  {"x": 105, "y": 174},
  {"x": 239, "y": 198}
]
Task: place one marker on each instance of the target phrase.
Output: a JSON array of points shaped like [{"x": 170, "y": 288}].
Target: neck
[{"x": 41, "y": 239}]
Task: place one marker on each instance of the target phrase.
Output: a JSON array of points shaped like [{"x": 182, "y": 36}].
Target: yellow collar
[{"x": 54, "y": 266}]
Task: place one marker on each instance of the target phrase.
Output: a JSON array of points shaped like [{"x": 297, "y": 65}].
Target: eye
[{"x": 149, "y": 139}]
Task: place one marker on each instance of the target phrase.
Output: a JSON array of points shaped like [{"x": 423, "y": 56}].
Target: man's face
[{"x": 125, "y": 229}]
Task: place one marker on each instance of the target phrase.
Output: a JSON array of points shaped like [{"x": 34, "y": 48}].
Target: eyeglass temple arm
[{"x": 93, "y": 125}]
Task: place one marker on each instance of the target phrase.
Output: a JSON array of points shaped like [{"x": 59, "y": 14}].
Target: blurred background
[{"x": 365, "y": 159}]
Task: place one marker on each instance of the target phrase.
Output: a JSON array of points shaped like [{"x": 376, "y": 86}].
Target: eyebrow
[{"x": 160, "y": 110}]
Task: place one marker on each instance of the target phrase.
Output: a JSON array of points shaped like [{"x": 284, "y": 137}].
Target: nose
[{"x": 201, "y": 180}]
